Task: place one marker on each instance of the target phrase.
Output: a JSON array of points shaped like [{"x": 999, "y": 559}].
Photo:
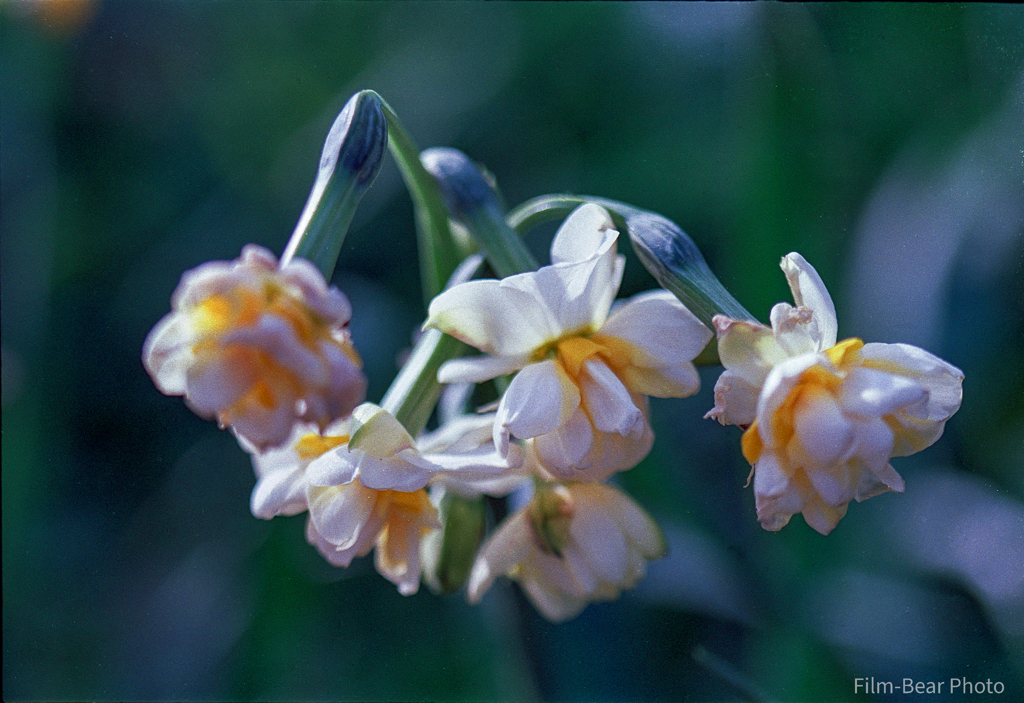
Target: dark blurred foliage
[{"x": 139, "y": 139}]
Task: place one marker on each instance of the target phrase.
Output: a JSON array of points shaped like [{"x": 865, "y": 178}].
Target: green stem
[
  {"x": 415, "y": 390},
  {"x": 439, "y": 253}
]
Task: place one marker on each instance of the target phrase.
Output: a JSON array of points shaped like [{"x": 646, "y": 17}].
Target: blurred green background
[{"x": 139, "y": 139}]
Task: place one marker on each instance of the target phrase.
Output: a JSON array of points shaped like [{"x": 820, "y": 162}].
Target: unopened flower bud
[{"x": 352, "y": 156}]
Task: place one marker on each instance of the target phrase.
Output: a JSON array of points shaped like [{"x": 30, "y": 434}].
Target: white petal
[
  {"x": 166, "y": 353},
  {"x": 483, "y": 462},
  {"x": 888, "y": 477},
  {"x": 777, "y": 386},
  {"x": 505, "y": 549},
  {"x": 576, "y": 295},
  {"x": 473, "y": 487},
  {"x": 810, "y": 292},
  {"x": 770, "y": 479},
  {"x": 494, "y": 316},
  {"x": 824, "y": 433},
  {"x": 833, "y": 483},
  {"x": 872, "y": 393},
  {"x": 735, "y": 400},
  {"x": 565, "y": 451},
  {"x": 639, "y": 527},
  {"x": 556, "y": 606},
  {"x": 540, "y": 399},
  {"x": 380, "y": 435},
  {"x": 661, "y": 329},
  {"x": 874, "y": 442},
  {"x": 607, "y": 401},
  {"x": 398, "y": 555},
  {"x": 748, "y": 349},
  {"x": 601, "y": 541},
  {"x": 276, "y": 337},
  {"x": 335, "y": 467},
  {"x": 280, "y": 492},
  {"x": 404, "y": 472},
  {"x": 942, "y": 380},
  {"x": 218, "y": 384},
  {"x": 575, "y": 563},
  {"x": 821, "y": 517},
  {"x": 584, "y": 233},
  {"x": 477, "y": 369},
  {"x": 462, "y": 433},
  {"x": 795, "y": 329},
  {"x": 339, "y": 513}
]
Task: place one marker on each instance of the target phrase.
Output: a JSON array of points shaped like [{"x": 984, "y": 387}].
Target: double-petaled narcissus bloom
[
  {"x": 363, "y": 482},
  {"x": 258, "y": 346},
  {"x": 584, "y": 369},
  {"x": 823, "y": 419},
  {"x": 572, "y": 544}
]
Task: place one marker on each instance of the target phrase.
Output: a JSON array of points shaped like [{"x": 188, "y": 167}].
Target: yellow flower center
[
  {"x": 243, "y": 307},
  {"x": 812, "y": 382},
  {"x": 573, "y": 350},
  {"x": 313, "y": 445}
]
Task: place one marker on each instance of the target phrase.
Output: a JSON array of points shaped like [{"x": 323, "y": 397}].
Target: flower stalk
[
  {"x": 667, "y": 252},
  {"x": 438, "y": 250},
  {"x": 473, "y": 203}
]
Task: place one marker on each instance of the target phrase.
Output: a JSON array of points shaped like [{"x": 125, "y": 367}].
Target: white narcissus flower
[
  {"x": 363, "y": 480},
  {"x": 257, "y": 346},
  {"x": 823, "y": 419},
  {"x": 573, "y": 544},
  {"x": 579, "y": 395}
]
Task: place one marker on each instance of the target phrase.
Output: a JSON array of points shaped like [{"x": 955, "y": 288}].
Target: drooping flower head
[
  {"x": 583, "y": 367},
  {"x": 823, "y": 419},
  {"x": 257, "y": 346},
  {"x": 363, "y": 481},
  {"x": 573, "y": 544}
]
